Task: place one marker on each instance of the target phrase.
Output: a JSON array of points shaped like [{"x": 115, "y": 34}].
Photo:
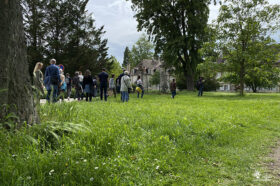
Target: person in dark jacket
[
  {"x": 118, "y": 81},
  {"x": 88, "y": 85},
  {"x": 52, "y": 80},
  {"x": 103, "y": 79},
  {"x": 200, "y": 86},
  {"x": 173, "y": 88},
  {"x": 77, "y": 85}
]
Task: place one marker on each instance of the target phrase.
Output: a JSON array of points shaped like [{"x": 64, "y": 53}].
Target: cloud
[{"x": 121, "y": 26}]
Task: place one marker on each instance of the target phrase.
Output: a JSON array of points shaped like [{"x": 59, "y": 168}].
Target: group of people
[{"x": 86, "y": 86}]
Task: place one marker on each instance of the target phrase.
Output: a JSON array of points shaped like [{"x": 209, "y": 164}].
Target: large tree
[
  {"x": 178, "y": 29},
  {"x": 244, "y": 29},
  {"x": 34, "y": 25},
  {"x": 143, "y": 49},
  {"x": 15, "y": 85},
  {"x": 126, "y": 57},
  {"x": 69, "y": 35}
]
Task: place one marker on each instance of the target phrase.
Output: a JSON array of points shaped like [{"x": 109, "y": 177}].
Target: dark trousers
[
  {"x": 103, "y": 91},
  {"x": 54, "y": 90},
  {"x": 78, "y": 94},
  {"x": 142, "y": 94},
  {"x": 173, "y": 94},
  {"x": 200, "y": 91},
  {"x": 88, "y": 96}
]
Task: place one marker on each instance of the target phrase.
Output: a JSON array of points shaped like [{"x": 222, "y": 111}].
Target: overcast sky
[{"x": 120, "y": 26}]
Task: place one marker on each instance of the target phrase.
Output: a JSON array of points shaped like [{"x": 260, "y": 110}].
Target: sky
[{"x": 121, "y": 26}]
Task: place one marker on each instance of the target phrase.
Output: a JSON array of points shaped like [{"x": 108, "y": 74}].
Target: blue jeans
[
  {"x": 124, "y": 96},
  {"x": 54, "y": 89},
  {"x": 173, "y": 94}
]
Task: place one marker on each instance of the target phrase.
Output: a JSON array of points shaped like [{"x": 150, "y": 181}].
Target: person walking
[
  {"x": 68, "y": 81},
  {"x": 173, "y": 88},
  {"x": 39, "y": 77},
  {"x": 52, "y": 80},
  {"x": 125, "y": 86},
  {"x": 103, "y": 79},
  {"x": 88, "y": 85},
  {"x": 78, "y": 87},
  {"x": 140, "y": 87},
  {"x": 112, "y": 85},
  {"x": 200, "y": 86},
  {"x": 62, "y": 86}
]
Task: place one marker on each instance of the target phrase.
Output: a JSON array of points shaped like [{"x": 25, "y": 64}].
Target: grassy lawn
[{"x": 216, "y": 139}]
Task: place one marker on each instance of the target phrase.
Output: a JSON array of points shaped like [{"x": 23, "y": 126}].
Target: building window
[{"x": 147, "y": 70}]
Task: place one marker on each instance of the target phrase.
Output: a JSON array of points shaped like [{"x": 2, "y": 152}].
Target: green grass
[{"x": 216, "y": 139}]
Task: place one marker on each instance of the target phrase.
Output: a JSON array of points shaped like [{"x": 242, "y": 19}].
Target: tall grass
[{"x": 216, "y": 139}]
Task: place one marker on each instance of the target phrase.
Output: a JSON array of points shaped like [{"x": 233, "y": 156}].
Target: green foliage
[
  {"x": 143, "y": 49},
  {"x": 126, "y": 57},
  {"x": 244, "y": 28},
  {"x": 178, "y": 29},
  {"x": 65, "y": 31},
  {"x": 155, "y": 80},
  {"x": 116, "y": 67},
  {"x": 211, "y": 84},
  {"x": 216, "y": 139}
]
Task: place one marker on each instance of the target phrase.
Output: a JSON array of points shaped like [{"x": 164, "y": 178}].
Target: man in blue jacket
[
  {"x": 52, "y": 80},
  {"x": 103, "y": 79}
]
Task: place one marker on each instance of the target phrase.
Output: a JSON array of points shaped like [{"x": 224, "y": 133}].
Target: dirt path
[{"x": 274, "y": 164}]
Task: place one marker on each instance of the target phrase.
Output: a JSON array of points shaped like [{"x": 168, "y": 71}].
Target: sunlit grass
[{"x": 216, "y": 139}]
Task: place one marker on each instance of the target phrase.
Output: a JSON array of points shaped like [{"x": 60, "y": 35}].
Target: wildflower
[
  {"x": 96, "y": 168},
  {"x": 91, "y": 179},
  {"x": 157, "y": 167},
  {"x": 85, "y": 160},
  {"x": 28, "y": 177},
  {"x": 104, "y": 163},
  {"x": 66, "y": 164},
  {"x": 51, "y": 171},
  {"x": 109, "y": 143}
]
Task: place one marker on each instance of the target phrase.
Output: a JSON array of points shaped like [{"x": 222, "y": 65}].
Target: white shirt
[
  {"x": 139, "y": 82},
  {"x": 81, "y": 78}
]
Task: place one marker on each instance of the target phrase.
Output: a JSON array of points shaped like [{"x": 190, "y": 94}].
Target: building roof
[{"x": 149, "y": 64}]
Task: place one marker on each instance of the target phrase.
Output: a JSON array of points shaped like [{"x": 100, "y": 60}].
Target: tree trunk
[
  {"x": 15, "y": 84},
  {"x": 190, "y": 81},
  {"x": 241, "y": 76}
]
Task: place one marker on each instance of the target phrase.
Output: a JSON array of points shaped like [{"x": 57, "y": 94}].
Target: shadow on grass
[{"x": 234, "y": 96}]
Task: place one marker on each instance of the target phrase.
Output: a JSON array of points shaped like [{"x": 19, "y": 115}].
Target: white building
[{"x": 146, "y": 69}]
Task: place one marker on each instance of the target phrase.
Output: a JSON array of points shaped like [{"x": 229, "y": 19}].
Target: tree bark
[{"x": 15, "y": 84}]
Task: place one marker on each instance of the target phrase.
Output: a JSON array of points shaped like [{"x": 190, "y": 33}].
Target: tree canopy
[
  {"x": 244, "y": 29},
  {"x": 65, "y": 31},
  {"x": 178, "y": 29}
]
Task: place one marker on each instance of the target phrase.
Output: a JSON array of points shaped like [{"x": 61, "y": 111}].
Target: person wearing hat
[{"x": 125, "y": 85}]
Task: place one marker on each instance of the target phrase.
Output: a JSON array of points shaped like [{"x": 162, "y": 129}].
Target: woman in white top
[{"x": 140, "y": 85}]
